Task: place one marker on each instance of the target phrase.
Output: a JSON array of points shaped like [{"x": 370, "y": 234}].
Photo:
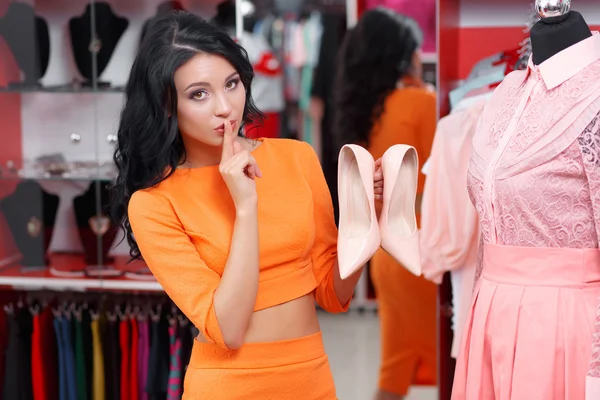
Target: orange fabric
[
  {"x": 290, "y": 369},
  {"x": 184, "y": 225},
  {"x": 406, "y": 303}
]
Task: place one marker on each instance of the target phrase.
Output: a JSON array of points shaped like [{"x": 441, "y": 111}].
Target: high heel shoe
[
  {"x": 398, "y": 220},
  {"x": 358, "y": 237}
]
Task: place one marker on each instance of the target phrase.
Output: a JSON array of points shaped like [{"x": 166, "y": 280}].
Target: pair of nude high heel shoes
[{"x": 360, "y": 233}]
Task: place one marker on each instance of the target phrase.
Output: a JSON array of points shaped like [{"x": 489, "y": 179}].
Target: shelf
[
  {"x": 17, "y": 278},
  {"x": 78, "y": 284}
]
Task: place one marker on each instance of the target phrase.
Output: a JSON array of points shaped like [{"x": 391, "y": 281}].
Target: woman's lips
[{"x": 221, "y": 128}]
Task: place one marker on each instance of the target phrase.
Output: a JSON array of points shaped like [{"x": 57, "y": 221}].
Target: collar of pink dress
[{"x": 565, "y": 65}]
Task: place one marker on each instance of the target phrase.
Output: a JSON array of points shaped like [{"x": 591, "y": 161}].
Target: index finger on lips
[{"x": 227, "y": 142}]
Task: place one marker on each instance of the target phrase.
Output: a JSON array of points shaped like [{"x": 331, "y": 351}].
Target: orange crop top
[{"x": 183, "y": 228}]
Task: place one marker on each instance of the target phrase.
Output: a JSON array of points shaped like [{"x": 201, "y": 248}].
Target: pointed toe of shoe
[
  {"x": 355, "y": 253},
  {"x": 405, "y": 250}
]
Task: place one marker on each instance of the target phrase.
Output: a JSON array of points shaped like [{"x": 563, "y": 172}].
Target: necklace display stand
[
  {"x": 96, "y": 230},
  {"x": 162, "y": 9},
  {"x": 28, "y": 39},
  {"x": 31, "y": 213},
  {"x": 109, "y": 29}
]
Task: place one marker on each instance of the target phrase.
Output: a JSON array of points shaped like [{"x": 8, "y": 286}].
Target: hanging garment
[
  {"x": 68, "y": 342},
  {"x": 175, "y": 369},
  {"x": 143, "y": 357},
  {"x": 98, "y": 364},
  {"x": 112, "y": 359},
  {"x": 125, "y": 342},
  {"x": 133, "y": 359},
  {"x": 80, "y": 369},
  {"x": 62, "y": 367},
  {"x": 534, "y": 179},
  {"x": 449, "y": 225},
  {"x": 158, "y": 372},
  {"x": 37, "y": 367},
  {"x": 12, "y": 361},
  {"x": 187, "y": 341},
  {"x": 25, "y": 330}
]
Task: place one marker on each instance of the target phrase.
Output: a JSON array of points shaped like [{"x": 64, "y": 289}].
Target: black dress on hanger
[
  {"x": 94, "y": 224},
  {"x": 552, "y": 35},
  {"x": 31, "y": 214},
  {"x": 162, "y": 9},
  {"x": 109, "y": 28},
  {"x": 29, "y": 41}
]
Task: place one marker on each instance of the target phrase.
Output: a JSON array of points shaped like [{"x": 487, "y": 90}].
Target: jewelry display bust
[
  {"x": 95, "y": 228},
  {"x": 109, "y": 29},
  {"x": 31, "y": 213},
  {"x": 29, "y": 41}
]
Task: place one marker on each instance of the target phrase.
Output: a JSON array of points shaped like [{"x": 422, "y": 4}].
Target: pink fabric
[
  {"x": 534, "y": 179},
  {"x": 422, "y": 11},
  {"x": 524, "y": 339},
  {"x": 449, "y": 223}
]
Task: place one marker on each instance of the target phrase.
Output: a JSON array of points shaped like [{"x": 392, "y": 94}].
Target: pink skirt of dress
[{"x": 530, "y": 328}]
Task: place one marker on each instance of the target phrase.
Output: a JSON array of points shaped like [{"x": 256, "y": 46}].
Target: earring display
[
  {"x": 96, "y": 230},
  {"x": 28, "y": 39},
  {"x": 31, "y": 213},
  {"x": 108, "y": 28}
]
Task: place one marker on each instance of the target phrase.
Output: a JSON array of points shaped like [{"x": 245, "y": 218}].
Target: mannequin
[
  {"x": 109, "y": 28},
  {"x": 94, "y": 224},
  {"x": 31, "y": 214},
  {"x": 162, "y": 9},
  {"x": 27, "y": 37},
  {"x": 556, "y": 31}
]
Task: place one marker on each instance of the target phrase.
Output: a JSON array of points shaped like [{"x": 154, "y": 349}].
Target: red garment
[
  {"x": 269, "y": 129},
  {"x": 37, "y": 369},
  {"x": 133, "y": 370},
  {"x": 124, "y": 341},
  {"x": 43, "y": 354}
]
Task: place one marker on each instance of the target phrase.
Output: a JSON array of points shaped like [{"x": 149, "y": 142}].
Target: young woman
[
  {"x": 381, "y": 101},
  {"x": 239, "y": 233}
]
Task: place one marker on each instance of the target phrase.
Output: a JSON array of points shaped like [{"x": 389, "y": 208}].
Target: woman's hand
[
  {"x": 378, "y": 181},
  {"x": 238, "y": 169}
]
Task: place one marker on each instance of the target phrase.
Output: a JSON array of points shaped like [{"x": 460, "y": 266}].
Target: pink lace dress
[{"x": 533, "y": 331}]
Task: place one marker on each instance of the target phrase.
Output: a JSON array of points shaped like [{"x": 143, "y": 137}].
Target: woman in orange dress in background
[{"x": 381, "y": 101}]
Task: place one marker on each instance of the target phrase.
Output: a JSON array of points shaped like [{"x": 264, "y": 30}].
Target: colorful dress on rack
[{"x": 533, "y": 331}]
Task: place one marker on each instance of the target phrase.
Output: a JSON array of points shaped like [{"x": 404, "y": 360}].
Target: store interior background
[{"x": 78, "y": 125}]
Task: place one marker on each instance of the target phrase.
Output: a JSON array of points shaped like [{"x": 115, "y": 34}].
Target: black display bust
[
  {"x": 94, "y": 225},
  {"x": 109, "y": 28},
  {"x": 31, "y": 213},
  {"x": 29, "y": 41},
  {"x": 162, "y": 9}
]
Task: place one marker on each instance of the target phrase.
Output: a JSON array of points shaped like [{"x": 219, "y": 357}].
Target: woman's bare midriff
[{"x": 291, "y": 320}]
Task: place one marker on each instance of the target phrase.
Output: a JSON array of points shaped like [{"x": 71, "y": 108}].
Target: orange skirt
[
  {"x": 407, "y": 314},
  {"x": 296, "y": 369}
]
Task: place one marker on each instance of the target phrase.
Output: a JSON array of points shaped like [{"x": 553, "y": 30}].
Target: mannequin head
[
  {"x": 189, "y": 77},
  {"x": 381, "y": 51}
]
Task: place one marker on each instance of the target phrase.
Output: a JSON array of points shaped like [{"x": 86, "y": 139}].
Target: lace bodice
[{"x": 551, "y": 205}]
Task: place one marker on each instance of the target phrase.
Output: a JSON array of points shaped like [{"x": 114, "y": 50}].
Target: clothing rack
[{"x": 77, "y": 346}]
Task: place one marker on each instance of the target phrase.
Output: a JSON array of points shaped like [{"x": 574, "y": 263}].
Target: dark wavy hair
[
  {"x": 149, "y": 146},
  {"x": 374, "y": 55}
]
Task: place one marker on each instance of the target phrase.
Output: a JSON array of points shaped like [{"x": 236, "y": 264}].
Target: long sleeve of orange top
[
  {"x": 324, "y": 250},
  {"x": 174, "y": 261}
]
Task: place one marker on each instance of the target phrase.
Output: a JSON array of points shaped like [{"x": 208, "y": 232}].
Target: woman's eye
[
  {"x": 232, "y": 84},
  {"x": 199, "y": 95}
]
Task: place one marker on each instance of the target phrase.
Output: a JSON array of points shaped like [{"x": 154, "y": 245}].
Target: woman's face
[{"x": 209, "y": 92}]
